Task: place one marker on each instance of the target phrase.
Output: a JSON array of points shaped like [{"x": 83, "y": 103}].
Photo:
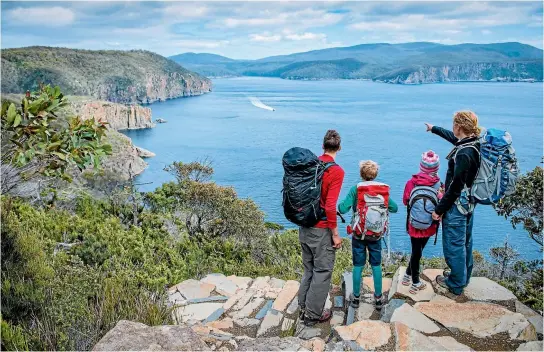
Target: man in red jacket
[{"x": 320, "y": 242}]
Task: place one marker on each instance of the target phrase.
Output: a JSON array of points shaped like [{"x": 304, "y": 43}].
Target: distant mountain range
[
  {"x": 134, "y": 76},
  {"x": 409, "y": 63}
]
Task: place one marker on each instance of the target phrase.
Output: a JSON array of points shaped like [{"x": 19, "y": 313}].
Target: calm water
[{"x": 376, "y": 121}]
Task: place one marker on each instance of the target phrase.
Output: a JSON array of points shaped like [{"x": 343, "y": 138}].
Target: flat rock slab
[
  {"x": 413, "y": 319},
  {"x": 274, "y": 344},
  {"x": 289, "y": 291},
  {"x": 200, "y": 311},
  {"x": 450, "y": 344},
  {"x": 241, "y": 281},
  {"x": 368, "y": 283},
  {"x": 276, "y": 283},
  {"x": 531, "y": 346},
  {"x": 235, "y": 298},
  {"x": 389, "y": 309},
  {"x": 431, "y": 274},
  {"x": 222, "y": 285},
  {"x": 176, "y": 299},
  {"x": 367, "y": 334},
  {"x": 293, "y": 307},
  {"x": 485, "y": 290},
  {"x": 399, "y": 290},
  {"x": 270, "y": 321},
  {"x": 249, "y": 308},
  {"x": 223, "y": 324},
  {"x": 337, "y": 318},
  {"x": 533, "y": 317},
  {"x": 364, "y": 311},
  {"x": 208, "y": 299},
  {"x": 411, "y": 340},
  {"x": 479, "y": 319},
  {"x": 443, "y": 299},
  {"x": 262, "y": 313},
  {"x": 338, "y": 301},
  {"x": 131, "y": 336},
  {"x": 308, "y": 333},
  {"x": 215, "y": 315},
  {"x": 246, "y": 322},
  {"x": 192, "y": 289}
]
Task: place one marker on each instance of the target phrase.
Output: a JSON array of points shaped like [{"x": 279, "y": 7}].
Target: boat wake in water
[{"x": 256, "y": 102}]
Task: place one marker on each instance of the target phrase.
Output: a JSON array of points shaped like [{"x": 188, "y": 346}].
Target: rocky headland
[{"x": 134, "y": 76}]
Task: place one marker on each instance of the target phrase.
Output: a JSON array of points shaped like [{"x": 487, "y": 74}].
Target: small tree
[
  {"x": 524, "y": 206},
  {"x": 504, "y": 256},
  {"x": 35, "y": 142}
]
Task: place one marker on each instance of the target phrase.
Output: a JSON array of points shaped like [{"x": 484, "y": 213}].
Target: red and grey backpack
[{"x": 371, "y": 218}]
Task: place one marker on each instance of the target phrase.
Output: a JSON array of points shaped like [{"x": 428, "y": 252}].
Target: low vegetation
[{"x": 72, "y": 267}]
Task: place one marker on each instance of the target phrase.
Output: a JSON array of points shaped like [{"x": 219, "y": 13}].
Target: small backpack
[
  {"x": 302, "y": 180},
  {"x": 371, "y": 218},
  {"x": 498, "y": 172},
  {"x": 423, "y": 200}
]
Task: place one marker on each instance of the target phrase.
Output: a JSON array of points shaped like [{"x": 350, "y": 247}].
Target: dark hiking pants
[
  {"x": 417, "y": 252},
  {"x": 318, "y": 257}
]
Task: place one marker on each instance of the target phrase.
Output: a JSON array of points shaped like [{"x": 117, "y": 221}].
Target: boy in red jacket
[{"x": 427, "y": 176}]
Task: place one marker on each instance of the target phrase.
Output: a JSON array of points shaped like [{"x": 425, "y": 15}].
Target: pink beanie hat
[{"x": 430, "y": 162}]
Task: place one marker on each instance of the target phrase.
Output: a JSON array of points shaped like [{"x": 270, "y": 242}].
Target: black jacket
[{"x": 461, "y": 171}]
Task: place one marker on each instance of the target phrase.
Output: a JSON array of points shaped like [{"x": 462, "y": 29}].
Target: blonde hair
[
  {"x": 468, "y": 122},
  {"x": 368, "y": 170}
]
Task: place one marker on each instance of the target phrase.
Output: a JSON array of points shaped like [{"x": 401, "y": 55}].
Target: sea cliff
[
  {"x": 509, "y": 72},
  {"x": 118, "y": 116}
]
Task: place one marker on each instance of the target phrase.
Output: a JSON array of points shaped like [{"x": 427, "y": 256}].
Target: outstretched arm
[{"x": 442, "y": 132}]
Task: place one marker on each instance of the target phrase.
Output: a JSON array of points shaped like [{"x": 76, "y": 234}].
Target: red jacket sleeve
[
  {"x": 407, "y": 190},
  {"x": 336, "y": 178}
]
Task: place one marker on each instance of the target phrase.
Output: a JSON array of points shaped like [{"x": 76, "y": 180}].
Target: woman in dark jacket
[{"x": 455, "y": 208}]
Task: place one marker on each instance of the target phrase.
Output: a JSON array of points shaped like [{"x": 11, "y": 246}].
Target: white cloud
[
  {"x": 184, "y": 10},
  {"x": 265, "y": 37},
  {"x": 43, "y": 16},
  {"x": 486, "y": 32},
  {"x": 306, "y": 36}
]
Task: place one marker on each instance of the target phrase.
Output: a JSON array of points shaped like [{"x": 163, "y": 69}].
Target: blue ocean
[{"x": 235, "y": 127}]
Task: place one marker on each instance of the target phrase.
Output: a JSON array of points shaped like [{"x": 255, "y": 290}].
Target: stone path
[{"x": 244, "y": 314}]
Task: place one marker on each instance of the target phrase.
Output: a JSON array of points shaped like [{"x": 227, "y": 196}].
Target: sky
[{"x": 251, "y": 30}]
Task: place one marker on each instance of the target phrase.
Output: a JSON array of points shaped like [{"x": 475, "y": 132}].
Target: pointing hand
[{"x": 429, "y": 126}]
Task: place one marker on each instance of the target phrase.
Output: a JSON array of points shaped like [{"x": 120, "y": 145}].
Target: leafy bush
[{"x": 35, "y": 142}]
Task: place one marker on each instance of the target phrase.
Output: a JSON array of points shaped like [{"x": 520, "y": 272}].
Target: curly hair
[
  {"x": 468, "y": 122},
  {"x": 368, "y": 170}
]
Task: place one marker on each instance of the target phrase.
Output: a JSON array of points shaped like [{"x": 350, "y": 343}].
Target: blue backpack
[
  {"x": 498, "y": 172},
  {"x": 423, "y": 200}
]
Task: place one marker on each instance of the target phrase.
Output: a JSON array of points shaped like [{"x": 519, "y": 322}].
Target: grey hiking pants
[{"x": 318, "y": 257}]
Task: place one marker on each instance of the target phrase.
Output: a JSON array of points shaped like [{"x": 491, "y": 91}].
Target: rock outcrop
[
  {"x": 230, "y": 313},
  {"x": 125, "y": 161},
  {"x": 118, "y": 116},
  {"x": 131, "y": 336}
]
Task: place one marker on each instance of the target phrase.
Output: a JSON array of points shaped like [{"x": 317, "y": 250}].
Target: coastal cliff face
[
  {"x": 118, "y": 116},
  {"x": 127, "y": 77},
  {"x": 510, "y": 72}
]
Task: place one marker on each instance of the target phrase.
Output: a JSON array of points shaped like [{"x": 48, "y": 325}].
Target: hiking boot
[
  {"x": 354, "y": 300},
  {"x": 415, "y": 288},
  {"x": 446, "y": 273},
  {"x": 326, "y": 316},
  {"x": 406, "y": 279},
  {"x": 379, "y": 302},
  {"x": 444, "y": 289}
]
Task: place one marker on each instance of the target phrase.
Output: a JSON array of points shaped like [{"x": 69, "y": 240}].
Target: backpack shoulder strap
[{"x": 464, "y": 146}]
